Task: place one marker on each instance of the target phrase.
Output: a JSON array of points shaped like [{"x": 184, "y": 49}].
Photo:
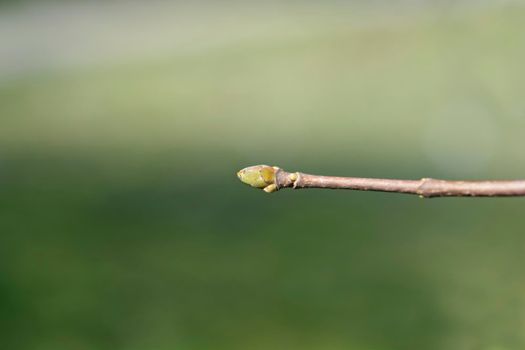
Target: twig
[{"x": 272, "y": 179}]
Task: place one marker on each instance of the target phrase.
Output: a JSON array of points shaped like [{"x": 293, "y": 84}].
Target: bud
[{"x": 259, "y": 176}]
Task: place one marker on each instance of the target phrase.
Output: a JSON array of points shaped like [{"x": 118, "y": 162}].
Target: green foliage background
[{"x": 123, "y": 226}]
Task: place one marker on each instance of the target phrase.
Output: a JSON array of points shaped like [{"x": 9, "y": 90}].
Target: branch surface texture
[{"x": 272, "y": 178}]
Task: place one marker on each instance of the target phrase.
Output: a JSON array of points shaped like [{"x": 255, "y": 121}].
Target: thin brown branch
[{"x": 272, "y": 179}]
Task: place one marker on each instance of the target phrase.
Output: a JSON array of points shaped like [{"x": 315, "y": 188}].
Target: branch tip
[{"x": 272, "y": 178}]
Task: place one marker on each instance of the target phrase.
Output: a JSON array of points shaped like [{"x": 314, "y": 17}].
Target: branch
[{"x": 272, "y": 179}]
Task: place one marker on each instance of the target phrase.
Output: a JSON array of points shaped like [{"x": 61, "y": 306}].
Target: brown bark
[{"x": 425, "y": 187}]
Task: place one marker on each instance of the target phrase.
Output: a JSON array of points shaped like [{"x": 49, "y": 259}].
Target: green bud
[{"x": 259, "y": 176}]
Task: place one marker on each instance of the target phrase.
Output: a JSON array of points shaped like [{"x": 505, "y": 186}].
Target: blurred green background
[{"x": 123, "y": 226}]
